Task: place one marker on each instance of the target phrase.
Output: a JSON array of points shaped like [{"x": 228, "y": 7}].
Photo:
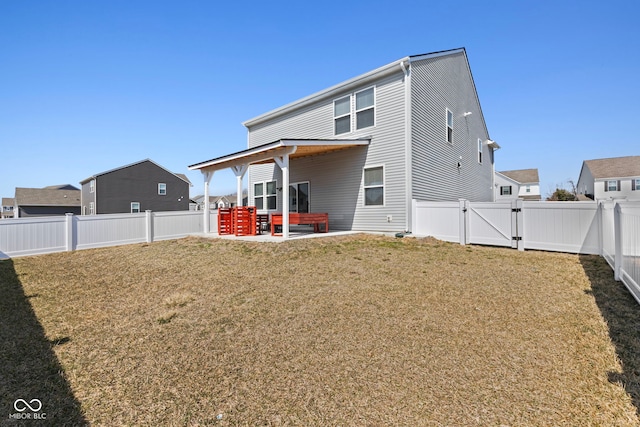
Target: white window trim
[
  {"x": 165, "y": 189},
  {"x": 264, "y": 195},
  {"x": 447, "y": 127},
  {"x": 343, "y": 115},
  {"x": 480, "y": 147},
  {"x": 353, "y": 112},
  {"x": 92, "y": 208},
  {"x": 384, "y": 184},
  {"x": 374, "y": 107},
  {"x": 92, "y": 186},
  {"x": 136, "y": 203},
  {"x": 615, "y": 181}
]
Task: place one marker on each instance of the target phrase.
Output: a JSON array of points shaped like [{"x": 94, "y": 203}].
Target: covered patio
[{"x": 280, "y": 152}]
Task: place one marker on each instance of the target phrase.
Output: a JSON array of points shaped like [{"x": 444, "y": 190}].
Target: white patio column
[
  {"x": 207, "y": 204},
  {"x": 283, "y": 162},
  {"x": 239, "y": 171}
]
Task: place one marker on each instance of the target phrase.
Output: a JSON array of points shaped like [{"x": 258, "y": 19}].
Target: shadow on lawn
[
  {"x": 29, "y": 368},
  {"x": 622, "y": 314}
]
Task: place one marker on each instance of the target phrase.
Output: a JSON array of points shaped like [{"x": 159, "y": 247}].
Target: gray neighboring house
[
  {"x": 48, "y": 201},
  {"x": 364, "y": 149},
  {"x": 8, "y": 204},
  {"x": 518, "y": 184},
  {"x": 611, "y": 178},
  {"x": 133, "y": 188}
]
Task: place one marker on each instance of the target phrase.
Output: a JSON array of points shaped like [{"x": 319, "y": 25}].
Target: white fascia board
[
  {"x": 237, "y": 156},
  {"x": 345, "y": 86}
]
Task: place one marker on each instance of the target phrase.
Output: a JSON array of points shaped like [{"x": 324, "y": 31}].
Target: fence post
[
  {"x": 600, "y": 217},
  {"x": 617, "y": 233},
  {"x": 464, "y": 221},
  {"x": 518, "y": 205},
  {"x": 149, "y": 223},
  {"x": 68, "y": 228}
]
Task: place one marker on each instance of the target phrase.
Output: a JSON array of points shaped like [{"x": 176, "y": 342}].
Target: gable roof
[
  {"x": 8, "y": 201},
  {"x": 614, "y": 167},
  {"x": 522, "y": 176},
  {"x": 179, "y": 175},
  {"x": 46, "y": 197},
  {"x": 61, "y": 187},
  {"x": 363, "y": 79}
]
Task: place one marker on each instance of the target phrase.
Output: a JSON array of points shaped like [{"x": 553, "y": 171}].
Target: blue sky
[{"x": 87, "y": 86}]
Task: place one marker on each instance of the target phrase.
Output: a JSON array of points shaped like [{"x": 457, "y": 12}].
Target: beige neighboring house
[
  {"x": 612, "y": 178},
  {"x": 48, "y": 201},
  {"x": 7, "y": 207},
  {"x": 517, "y": 184}
]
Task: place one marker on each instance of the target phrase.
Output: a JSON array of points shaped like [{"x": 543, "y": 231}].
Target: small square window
[
  {"x": 162, "y": 189},
  {"x": 135, "y": 207}
]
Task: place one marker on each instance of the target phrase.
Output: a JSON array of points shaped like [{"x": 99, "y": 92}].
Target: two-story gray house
[
  {"x": 134, "y": 188},
  {"x": 362, "y": 150}
]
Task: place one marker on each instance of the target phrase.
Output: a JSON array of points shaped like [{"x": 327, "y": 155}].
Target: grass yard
[{"x": 357, "y": 330}]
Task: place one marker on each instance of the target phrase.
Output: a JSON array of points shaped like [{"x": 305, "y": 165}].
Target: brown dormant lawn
[{"x": 358, "y": 330}]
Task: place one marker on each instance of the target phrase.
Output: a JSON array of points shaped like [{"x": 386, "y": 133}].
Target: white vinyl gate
[{"x": 492, "y": 224}]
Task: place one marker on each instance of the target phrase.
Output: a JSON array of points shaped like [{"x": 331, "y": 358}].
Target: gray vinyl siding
[
  {"x": 437, "y": 84},
  {"x": 87, "y": 198},
  {"x": 116, "y": 190},
  {"x": 335, "y": 179}
]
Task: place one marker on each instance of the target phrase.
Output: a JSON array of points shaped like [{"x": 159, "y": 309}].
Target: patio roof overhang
[
  {"x": 267, "y": 153},
  {"x": 279, "y": 152}
]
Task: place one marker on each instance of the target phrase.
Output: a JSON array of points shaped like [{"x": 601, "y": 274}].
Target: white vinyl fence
[
  {"x": 33, "y": 236},
  {"x": 610, "y": 229}
]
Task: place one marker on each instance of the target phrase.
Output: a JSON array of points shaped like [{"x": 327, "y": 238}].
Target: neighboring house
[
  {"x": 518, "y": 184},
  {"x": 216, "y": 202},
  {"x": 612, "y": 178},
  {"x": 8, "y": 204},
  {"x": 362, "y": 150},
  {"x": 137, "y": 187},
  {"x": 49, "y": 201}
]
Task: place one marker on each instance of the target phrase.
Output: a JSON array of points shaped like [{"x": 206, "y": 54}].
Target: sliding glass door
[{"x": 299, "y": 197}]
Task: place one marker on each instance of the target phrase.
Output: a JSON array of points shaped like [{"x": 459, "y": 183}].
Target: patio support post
[
  {"x": 207, "y": 204},
  {"x": 283, "y": 162},
  {"x": 239, "y": 171}
]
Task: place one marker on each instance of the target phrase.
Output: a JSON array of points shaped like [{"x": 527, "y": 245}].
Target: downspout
[{"x": 406, "y": 69}]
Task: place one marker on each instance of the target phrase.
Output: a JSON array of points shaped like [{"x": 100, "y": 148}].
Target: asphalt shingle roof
[
  {"x": 47, "y": 197},
  {"x": 523, "y": 176},
  {"x": 615, "y": 167}
]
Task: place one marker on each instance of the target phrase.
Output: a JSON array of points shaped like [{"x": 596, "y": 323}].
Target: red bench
[{"x": 315, "y": 219}]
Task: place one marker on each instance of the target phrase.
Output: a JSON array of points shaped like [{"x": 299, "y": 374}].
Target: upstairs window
[
  {"x": 479, "y": 150},
  {"x": 92, "y": 186},
  {"x": 365, "y": 108},
  {"x": 135, "y": 207},
  {"x": 635, "y": 184},
  {"x": 162, "y": 189},
  {"x": 361, "y": 105},
  {"x": 374, "y": 186},
  {"x": 449, "y": 126},
  {"x": 342, "y": 115}
]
